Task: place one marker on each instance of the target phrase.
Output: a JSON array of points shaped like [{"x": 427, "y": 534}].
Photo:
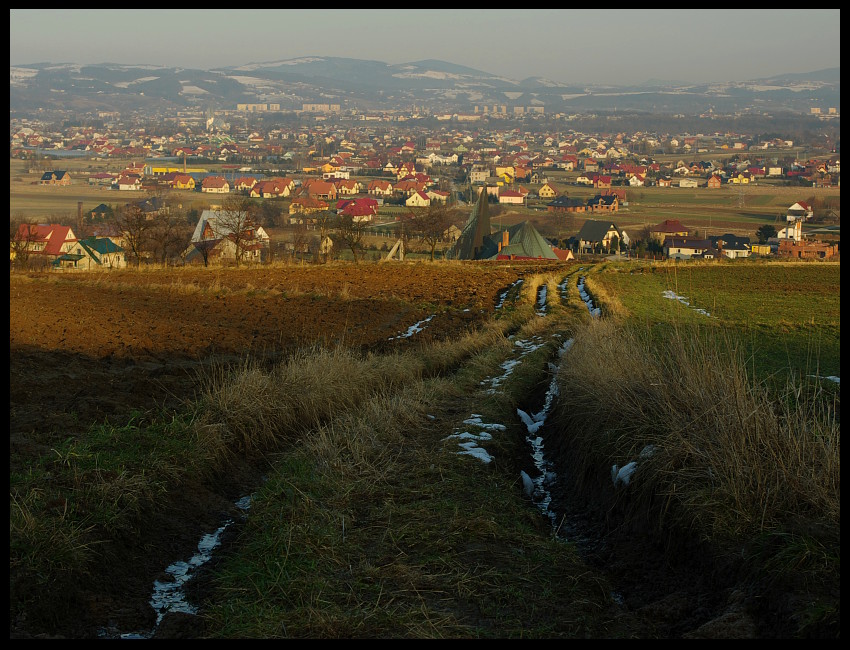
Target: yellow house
[
  {"x": 547, "y": 192},
  {"x": 184, "y": 182}
]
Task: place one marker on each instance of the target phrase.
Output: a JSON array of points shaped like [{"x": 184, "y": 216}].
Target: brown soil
[{"x": 86, "y": 348}]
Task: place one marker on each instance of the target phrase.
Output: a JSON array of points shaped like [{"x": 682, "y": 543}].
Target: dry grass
[
  {"x": 609, "y": 303},
  {"x": 732, "y": 460}
]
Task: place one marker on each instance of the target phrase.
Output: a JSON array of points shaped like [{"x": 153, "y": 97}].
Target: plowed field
[{"x": 85, "y": 347}]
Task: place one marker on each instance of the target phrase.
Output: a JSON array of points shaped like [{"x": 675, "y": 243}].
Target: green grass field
[{"x": 788, "y": 314}]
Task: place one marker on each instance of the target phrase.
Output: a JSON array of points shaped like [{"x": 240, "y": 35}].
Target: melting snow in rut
[
  {"x": 537, "y": 489},
  {"x": 413, "y": 329},
  {"x": 505, "y": 293},
  {"x": 169, "y": 596},
  {"x": 594, "y": 311},
  {"x": 541, "y": 301}
]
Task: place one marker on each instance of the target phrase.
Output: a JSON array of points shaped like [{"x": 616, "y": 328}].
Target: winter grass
[{"x": 734, "y": 464}]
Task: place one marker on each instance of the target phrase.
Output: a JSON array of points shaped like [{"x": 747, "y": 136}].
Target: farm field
[
  {"x": 105, "y": 345},
  {"x": 788, "y": 315},
  {"x": 114, "y": 429}
]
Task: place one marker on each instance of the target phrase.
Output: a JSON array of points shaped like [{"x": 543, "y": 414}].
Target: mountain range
[{"x": 364, "y": 85}]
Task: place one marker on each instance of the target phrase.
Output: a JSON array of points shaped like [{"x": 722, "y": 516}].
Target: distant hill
[{"x": 366, "y": 85}]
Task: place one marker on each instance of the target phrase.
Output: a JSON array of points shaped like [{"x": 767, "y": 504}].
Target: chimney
[{"x": 505, "y": 238}]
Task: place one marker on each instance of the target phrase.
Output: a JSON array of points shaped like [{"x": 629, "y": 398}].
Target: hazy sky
[{"x": 614, "y": 46}]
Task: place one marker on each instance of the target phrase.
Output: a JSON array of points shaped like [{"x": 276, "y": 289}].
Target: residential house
[
  {"x": 99, "y": 253},
  {"x": 418, "y": 199},
  {"x": 595, "y": 234},
  {"x": 409, "y": 187},
  {"x": 306, "y": 205},
  {"x": 438, "y": 195},
  {"x": 380, "y": 188},
  {"x": 347, "y": 187},
  {"x": 319, "y": 189},
  {"x": 511, "y": 197},
  {"x": 215, "y": 185},
  {"x": 55, "y": 178},
  {"x": 270, "y": 189},
  {"x": 807, "y": 250},
  {"x": 101, "y": 212},
  {"x": 404, "y": 170},
  {"x": 129, "y": 182},
  {"x": 732, "y": 246},
  {"x": 714, "y": 181},
  {"x": 568, "y": 162},
  {"x": 564, "y": 203},
  {"x": 685, "y": 248},
  {"x": 601, "y": 181},
  {"x": 182, "y": 181},
  {"x": 664, "y": 181},
  {"x": 478, "y": 175},
  {"x": 362, "y": 209},
  {"x": 45, "y": 241},
  {"x": 243, "y": 184},
  {"x": 603, "y": 203},
  {"x": 547, "y": 191},
  {"x": 216, "y": 232},
  {"x": 668, "y": 228},
  {"x": 800, "y": 211}
]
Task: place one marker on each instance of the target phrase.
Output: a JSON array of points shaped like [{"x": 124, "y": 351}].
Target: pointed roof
[
  {"x": 524, "y": 241},
  {"x": 471, "y": 241}
]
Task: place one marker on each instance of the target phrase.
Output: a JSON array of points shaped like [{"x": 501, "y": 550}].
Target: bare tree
[
  {"x": 300, "y": 240},
  {"x": 169, "y": 235},
  {"x": 324, "y": 223},
  {"x": 134, "y": 226},
  {"x": 352, "y": 232},
  {"x": 22, "y": 234},
  {"x": 432, "y": 225},
  {"x": 204, "y": 247},
  {"x": 235, "y": 221}
]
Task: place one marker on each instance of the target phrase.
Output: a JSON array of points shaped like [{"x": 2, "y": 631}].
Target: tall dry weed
[{"x": 730, "y": 457}]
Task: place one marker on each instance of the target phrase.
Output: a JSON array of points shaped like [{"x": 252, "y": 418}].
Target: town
[{"x": 253, "y": 184}]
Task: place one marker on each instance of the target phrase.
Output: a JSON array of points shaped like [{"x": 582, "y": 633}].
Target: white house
[
  {"x": 511, "y": 197},
  {"x": 800, "y": 211},
  {"x": 418, "y": 200}
]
